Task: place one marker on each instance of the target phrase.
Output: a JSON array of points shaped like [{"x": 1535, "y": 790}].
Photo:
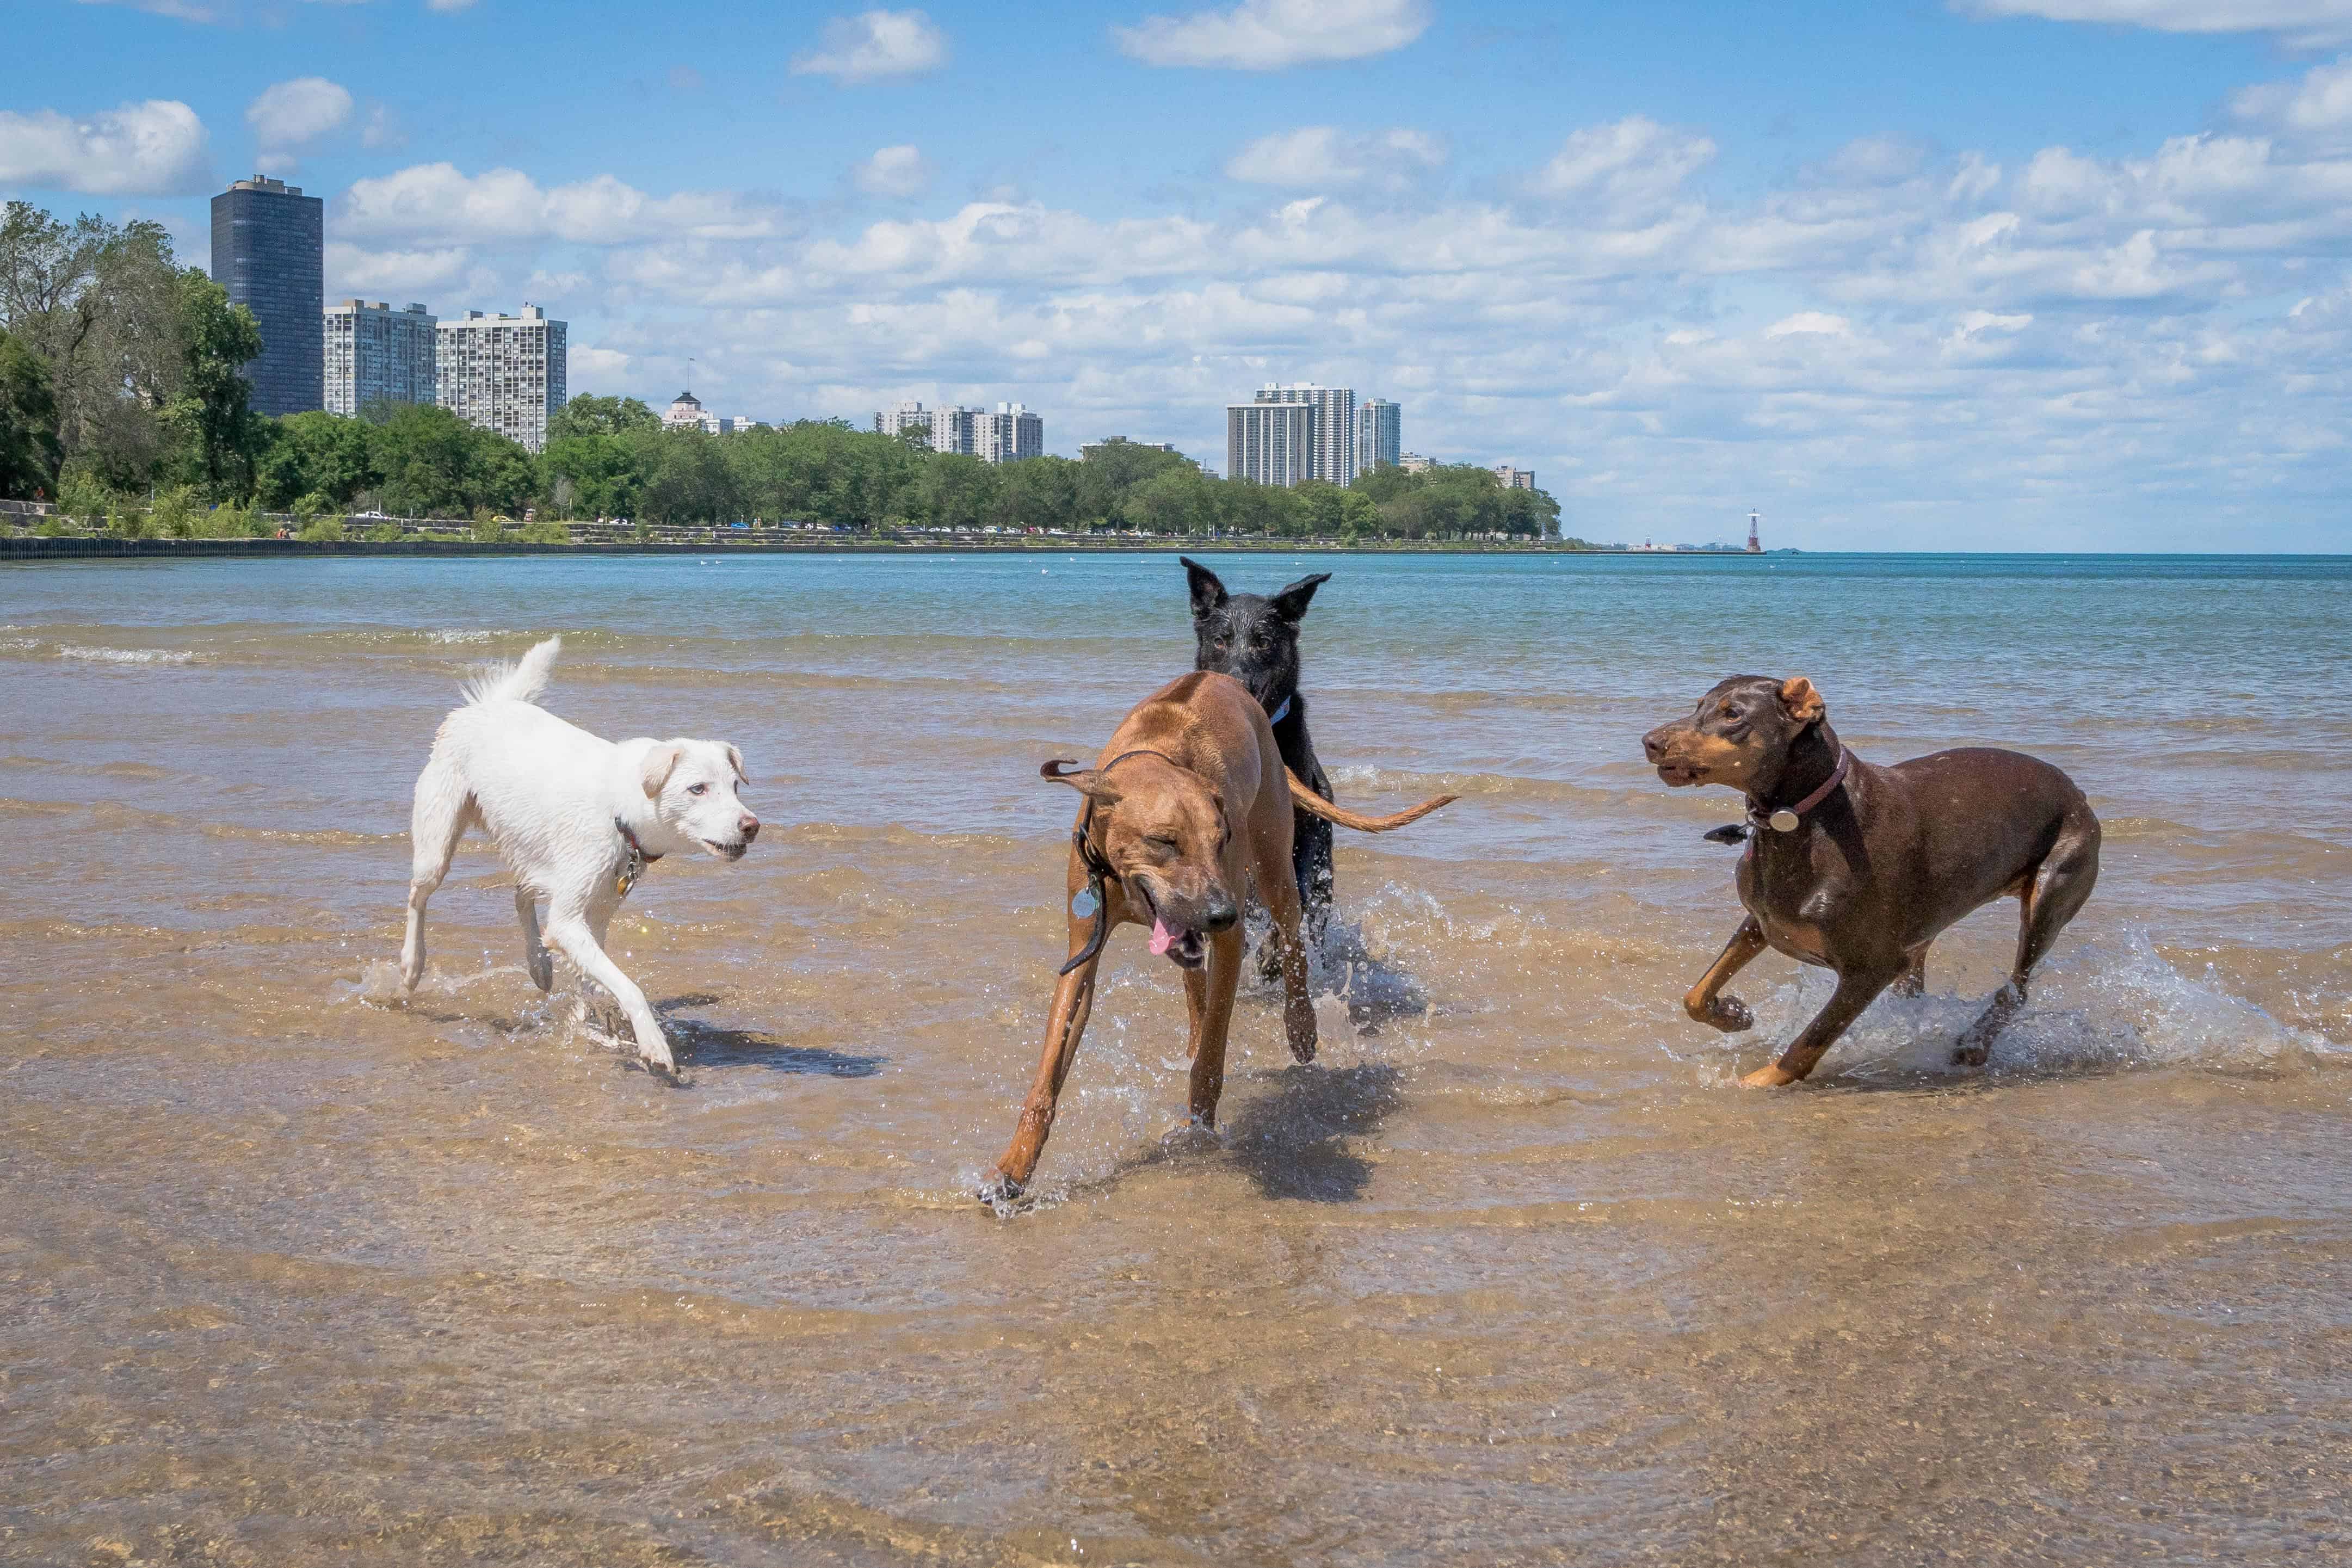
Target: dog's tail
[
  {"x": 521, "y": 682},
  {"x": 1307, "y": 800}
]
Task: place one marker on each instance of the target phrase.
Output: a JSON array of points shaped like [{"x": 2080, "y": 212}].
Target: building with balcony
[
  {"x": 1380, "y": 434},
  {"x": 1278, "y": 449},
  {"x": 505, "y": 374},
  {"x": 375, "y": 354}
]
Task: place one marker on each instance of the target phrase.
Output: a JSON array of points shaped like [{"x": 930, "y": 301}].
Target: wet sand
[{"x": 1514, "y": 1274}]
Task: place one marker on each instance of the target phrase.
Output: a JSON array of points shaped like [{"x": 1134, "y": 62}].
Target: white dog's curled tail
[{"x": 521, "y": 682}]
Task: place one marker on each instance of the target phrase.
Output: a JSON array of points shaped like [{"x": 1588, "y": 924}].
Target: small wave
[
  {"x": 453, "y": 636},
  {"x": 110, "y": 770},
  {"x": 97, "y": 655}
]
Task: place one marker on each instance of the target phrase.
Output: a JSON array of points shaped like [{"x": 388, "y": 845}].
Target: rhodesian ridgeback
[{"x": 1186, "y": 805}]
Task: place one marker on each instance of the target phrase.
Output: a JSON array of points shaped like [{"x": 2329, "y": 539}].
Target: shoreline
[{"x": 83, "y": 547}]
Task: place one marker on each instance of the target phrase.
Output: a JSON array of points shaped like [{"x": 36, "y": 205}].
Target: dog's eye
[
  {"x": 698, "y": 789},
  {"x": 1160, "y": 842}
]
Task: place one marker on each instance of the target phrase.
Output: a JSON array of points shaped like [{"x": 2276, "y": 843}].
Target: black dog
[{"x": 1254, "y": 640}]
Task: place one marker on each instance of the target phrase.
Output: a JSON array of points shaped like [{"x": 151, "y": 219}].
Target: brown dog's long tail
[{"x": 1307, "y": 800}]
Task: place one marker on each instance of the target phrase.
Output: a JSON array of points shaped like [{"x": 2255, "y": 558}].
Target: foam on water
[
  {"x": 95, "y": 653},
  {"x": 2094, "y": 1007}
]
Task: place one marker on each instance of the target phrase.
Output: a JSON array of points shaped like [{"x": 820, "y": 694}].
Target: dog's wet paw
[
  {"x": 1000, "y": 1192},
  {"x": 1729, "y": 1014},
  {"x": 1772, "y": 1075},
  {"x": 1968, "y": 1054}
]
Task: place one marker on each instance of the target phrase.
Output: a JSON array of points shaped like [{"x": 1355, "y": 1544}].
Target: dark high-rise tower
[{"x": 269, "y": 241}]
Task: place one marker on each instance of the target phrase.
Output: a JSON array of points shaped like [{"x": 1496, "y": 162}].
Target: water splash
[{"x": 2099, "y": 1006}]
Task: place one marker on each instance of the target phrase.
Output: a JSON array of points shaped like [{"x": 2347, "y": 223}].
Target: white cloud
[
  {"x": 2303, "y": 21},
  {"x": 1632, "y": 166},
  {"x": 383, "y": 128},
  {"x": 1322, "y": 157},
  {"x": 446, "y": 6},
  {"x": 291, "y": 115},
  {"x": 1810, "y": 322},
  {"x": 894, "y": 172},
  {"x": 874, "y": 44},
  {"x": 395, "y": 275},
  {"x": 1269, "y": 35},
  {"x": 600, "y": 370},
  {"x": 436, "y": 203},
  {"x": 2320, "y": 103},
  {"x": 154, "y": 149}
]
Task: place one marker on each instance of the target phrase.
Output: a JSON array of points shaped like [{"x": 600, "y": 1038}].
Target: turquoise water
[
  {"x": 298, "y": 1273},
  {"x": 2196, "y": 696}
]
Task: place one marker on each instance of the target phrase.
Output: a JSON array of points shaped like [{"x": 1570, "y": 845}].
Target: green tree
[
  {"x": 691, "y": 480},
  {"x": 315, "y": 451},
  {"x": 220, "y": 437},
  {"x": 600, "y": 416},
  {"x": 29, "y": 455},
  {"x": 101, "y": 307}
]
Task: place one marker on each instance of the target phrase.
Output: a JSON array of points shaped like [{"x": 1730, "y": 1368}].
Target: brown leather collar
[{"x": 1795, "y": 814}]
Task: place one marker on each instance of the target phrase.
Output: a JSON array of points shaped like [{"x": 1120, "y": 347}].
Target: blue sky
[{"x": 1987, "y": 274}]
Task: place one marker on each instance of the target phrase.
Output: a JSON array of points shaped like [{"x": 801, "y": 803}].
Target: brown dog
[
  {"x": 1857, "y": 868},
  {"x": 1189, "y": 798}
]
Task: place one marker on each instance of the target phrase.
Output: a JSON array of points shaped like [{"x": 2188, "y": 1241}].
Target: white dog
[{"x": 577, "y": 820}]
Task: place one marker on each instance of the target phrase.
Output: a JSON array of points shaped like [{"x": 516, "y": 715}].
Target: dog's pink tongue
[{"x": 1161, "y": 937}]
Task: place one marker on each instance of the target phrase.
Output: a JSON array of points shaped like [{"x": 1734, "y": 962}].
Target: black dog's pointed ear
[
  {"x": 1291, "y": 602},
  {"x": 1208, "y": 592}
]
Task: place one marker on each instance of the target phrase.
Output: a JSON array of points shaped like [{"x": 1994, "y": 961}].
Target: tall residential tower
[
  {"x": 377, "y": 354},
  {"x": 507, "y": 374},
  {"x": 268, "y": 252},
  {"x": 1288, "y": 434},
  {"x": 1380, "y": 434}
]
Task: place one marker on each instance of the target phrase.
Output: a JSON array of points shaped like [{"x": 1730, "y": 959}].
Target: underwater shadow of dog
[{"x": 1293, "y": 1142}]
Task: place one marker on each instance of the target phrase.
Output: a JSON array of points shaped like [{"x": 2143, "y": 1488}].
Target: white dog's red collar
[{"x": 633, "y": 861}]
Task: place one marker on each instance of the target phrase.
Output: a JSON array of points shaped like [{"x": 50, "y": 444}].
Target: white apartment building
[
  {"x": 1257, "y": 442},
  {"x": 1011, "y": 434},
  {"x": 1380, "y": 434},
  {"x": 505, "y": 373},
  {"x": 1512, "y": 478},
  {"x": 1270, "y": 443},
  {"x": 377, "y": 354},
  {"x": 1006, "y": 436},
  {"x": 905, "y": 416}
]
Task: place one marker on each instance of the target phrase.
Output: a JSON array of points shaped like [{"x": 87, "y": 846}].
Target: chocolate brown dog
[
  {"x": 1188, "y": 799},
  {"x": 1857, "y": 868}
]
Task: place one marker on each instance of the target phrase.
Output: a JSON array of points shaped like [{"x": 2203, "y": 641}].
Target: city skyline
[{"x": 2038, "y": 273}]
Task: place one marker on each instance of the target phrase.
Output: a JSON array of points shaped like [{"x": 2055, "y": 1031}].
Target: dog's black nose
[
  {"x": 1652, "y": 748},
  {"x": 1220, "y": 916}
]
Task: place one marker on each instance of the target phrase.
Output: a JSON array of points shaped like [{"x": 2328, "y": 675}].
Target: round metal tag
[
  {"x": 1784, "y": 821},
  {"x": 1083, "y": 903}
]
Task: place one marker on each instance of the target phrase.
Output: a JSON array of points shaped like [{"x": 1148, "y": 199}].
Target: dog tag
[
  {"x": 1784, "y": 821},
  {"x": 1083, "y": 903}
]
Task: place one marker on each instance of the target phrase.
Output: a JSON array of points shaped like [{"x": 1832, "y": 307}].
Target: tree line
[{"x": 122, "y": 398}]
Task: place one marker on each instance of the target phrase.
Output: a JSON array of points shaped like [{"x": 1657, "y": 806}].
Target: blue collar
[{"x": 1277, "y": 715}]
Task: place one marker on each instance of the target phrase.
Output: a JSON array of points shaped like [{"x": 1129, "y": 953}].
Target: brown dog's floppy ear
[
  {"x": 1087, "y": 782},
  {"x": 1208, "y": 592},
  {"x": 655, "y": 770},
  {"x": 735, "y": 760},
  {"x": 1803, "y": 703}
]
